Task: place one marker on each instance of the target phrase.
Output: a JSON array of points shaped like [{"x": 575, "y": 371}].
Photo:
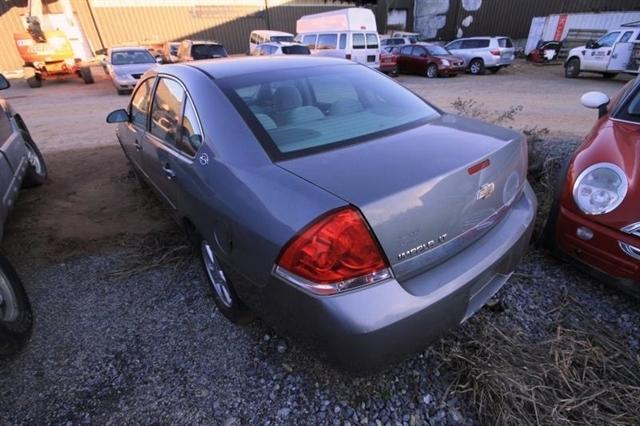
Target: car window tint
[
  {"x": 350, "y": 105},
  {"x": 329, "y": 89},
  {"x": 454, "y": 45},
  {"x": 140, "y": 103},
  {"x": 358, "y": 41},
  {"x": 191, "y": 136},
  {"x": 327, "y": 41},
  {"x": 406, "y": 51},
  {"x": 608, "y": 39},
  {"x": 166, "y": 110},
  {"x": 310, "y": 40},
  {"x": 207, "y": 51},
  {"x": 418, "y": 51},
  {"x": 630, "y": 110},
  {"x": 343, "y": 41},
  {"x": 295, "y": 50},
  {"x": 372, "y": 41},
  {"x": 626, "y": 36}
]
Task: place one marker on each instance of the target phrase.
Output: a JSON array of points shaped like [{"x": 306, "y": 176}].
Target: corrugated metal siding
[
  {"x": 588, "y": 21},
  {"x": 513, "y": 17},
  {"x": 226, "y": 21}
]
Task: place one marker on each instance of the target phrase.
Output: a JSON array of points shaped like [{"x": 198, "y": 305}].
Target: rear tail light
[
  {"x": 335, "y": 253},
  {"x": 348, "y": 56},
  {"x": 495, "y": 52}
]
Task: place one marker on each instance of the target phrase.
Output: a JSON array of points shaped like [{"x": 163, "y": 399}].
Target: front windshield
[
  {"x": 280, "y": 39},
  {"x": 439, "y": 51},
  {"x": 130, "y": 57},
  {"x": 207, "y": 51},
  {"x": 310, "y": 109}
]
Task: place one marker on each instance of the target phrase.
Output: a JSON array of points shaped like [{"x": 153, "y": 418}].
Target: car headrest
[{"x": 286, "y": 97}]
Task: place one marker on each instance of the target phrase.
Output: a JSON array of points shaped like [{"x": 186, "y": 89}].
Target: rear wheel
[
  {"x": 87, "y": 77},
  {"x": 33, "y": 79},
  {"x": 222, "y": 289},
  {"x": 572, "y": 70},
  {"x": 37, "y": 169},
  {"x": 476, "y": 66},
  {"x": 432, "y": 71},
  {"x": 16, "y": 318}
]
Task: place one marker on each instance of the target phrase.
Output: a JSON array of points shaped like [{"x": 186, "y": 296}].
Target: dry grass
[
  {"x": 169, "y": 248},
  {"x": 580, "y": 374}
]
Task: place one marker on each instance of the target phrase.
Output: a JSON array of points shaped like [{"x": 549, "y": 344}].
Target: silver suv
[{"x": 483, "y": 53}]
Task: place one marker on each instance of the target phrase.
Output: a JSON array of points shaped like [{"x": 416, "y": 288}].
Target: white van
[
  {"x": 616, "y": 52},
  {"x": 266, "y": 36},
  {"x": 346, "y": 33}
]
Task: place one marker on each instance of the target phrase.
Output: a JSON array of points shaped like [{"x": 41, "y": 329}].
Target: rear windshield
[
  {"x": 304, "y": 110},
  {"x": 296, "y": 50},
  {"x": 280, "y": 39},
  {"x": 207, "y": 51},
  {"x": 128, "y": 57},
  {"x": 505, "y": 42}
]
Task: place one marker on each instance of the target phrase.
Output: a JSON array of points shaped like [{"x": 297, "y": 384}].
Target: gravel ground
[{"x": 150, "y": 347}]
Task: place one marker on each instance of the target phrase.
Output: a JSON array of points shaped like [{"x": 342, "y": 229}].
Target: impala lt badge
[
  {"x": 485, "y": 191},
  {"x": 422, "y": 247}
]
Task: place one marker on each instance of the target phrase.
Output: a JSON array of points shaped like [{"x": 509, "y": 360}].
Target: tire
[
  {"x": 16, "y": 317},
  {"x": 432, "y": 71},
  {"x": 222, "y": 290},
  {"x": 547, "y": 239},
  {"x": 37, "y": 170},
  {"x": 610, "y": 75},
  {"x": 87, "y": 77},
  {"x": 32, "y": 78},
  {"x": 572, "y": 69},
  {"x": 476, "y": 66}
]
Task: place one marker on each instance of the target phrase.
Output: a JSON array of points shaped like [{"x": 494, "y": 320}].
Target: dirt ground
[{"x": 149, "y": 346}]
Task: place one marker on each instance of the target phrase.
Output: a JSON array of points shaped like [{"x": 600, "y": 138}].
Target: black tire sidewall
[
  {"x": 481, "y": 70},
  {"x": 15, "y": 332},
  {"x": 572, "y": 64},
  {"x": 430, "y": 67},
  {"x": 32, "y": 178}
]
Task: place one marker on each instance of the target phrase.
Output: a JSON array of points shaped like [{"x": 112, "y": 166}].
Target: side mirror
[
  {"x": 4, "y": 83},
  {"x": 591, "y": 44},
  {"x": 118, "y": 116},
  {"x": 159, "y": 60},
  {"x": 596, "y": 100}
]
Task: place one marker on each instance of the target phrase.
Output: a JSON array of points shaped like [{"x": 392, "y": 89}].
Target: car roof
[
  {"x": 204, "y": 42},
  {"x": 271, "y": 32},
  {"x": 231, "y": 67},
  {"x": 479, "y": 38},
  {"x": 125, "y": 48},
  {"x": 281, "y": 43}
]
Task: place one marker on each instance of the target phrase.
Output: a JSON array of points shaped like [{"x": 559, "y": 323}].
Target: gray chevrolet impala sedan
[{"x": 330, "y": 200}]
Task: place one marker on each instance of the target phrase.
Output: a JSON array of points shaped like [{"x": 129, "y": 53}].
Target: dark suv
[{"x": 191, "y": 50}]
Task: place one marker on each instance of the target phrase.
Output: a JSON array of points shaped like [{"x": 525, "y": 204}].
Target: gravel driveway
[{"x": 127, "y": 333}]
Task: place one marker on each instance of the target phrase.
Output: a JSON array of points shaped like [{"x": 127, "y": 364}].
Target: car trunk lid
[{"x": 428, "y": 192}]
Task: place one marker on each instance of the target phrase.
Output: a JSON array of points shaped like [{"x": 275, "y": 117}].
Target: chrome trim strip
[{"x": 630, "y": 250}]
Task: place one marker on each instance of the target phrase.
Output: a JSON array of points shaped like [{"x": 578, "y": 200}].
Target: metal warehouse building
[
  {"x": 93, "y": 25},
  {"x": 99, "y": 24}
]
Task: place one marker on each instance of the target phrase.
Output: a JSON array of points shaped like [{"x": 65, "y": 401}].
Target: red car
[
  {"x": 595, "y": 218},
  {"x": 430, "y": 60},
  {"x": 389, "y": 59}
]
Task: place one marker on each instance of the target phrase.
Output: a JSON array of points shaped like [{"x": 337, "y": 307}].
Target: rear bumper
[
  {"x": 602, "y": 252},
  {"x": 494, "y": 61},
  {"x": 367, "y": 328}
]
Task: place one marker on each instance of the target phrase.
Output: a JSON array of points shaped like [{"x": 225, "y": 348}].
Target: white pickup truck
[
  {"x": 616, "y": 52},
  {"x": 21, "y": 164}
]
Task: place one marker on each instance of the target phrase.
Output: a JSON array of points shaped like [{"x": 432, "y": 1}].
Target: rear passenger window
[
  {"x": 310, "y": 40},
  {"x": 343, "y": 41},
  {"x": 327, "y": 41},
  {"x": 166, "y": 110},
  {"x": 191, "y": 135},
  {"x": 358, "y": 41},
  {"x": 372, "y": 41},
  {"x": 140, "y": 103}
]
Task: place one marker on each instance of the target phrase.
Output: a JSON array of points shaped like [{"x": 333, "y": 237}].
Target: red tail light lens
[
  {"x": 335, "y": 253},
  {"x": 495, "y": 52}
]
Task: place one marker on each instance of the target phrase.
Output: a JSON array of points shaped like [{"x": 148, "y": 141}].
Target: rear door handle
[
  {"x": 167, "y": 171},
  {"x": 137, "y": 145}
]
